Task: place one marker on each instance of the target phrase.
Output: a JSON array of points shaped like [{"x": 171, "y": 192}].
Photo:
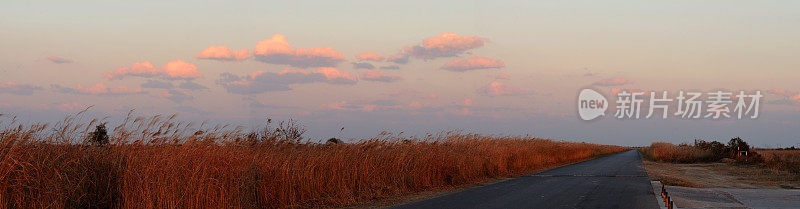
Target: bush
[
  {"x": 700, "y": 151},
  {"x": 100, "y": 136},
  {"x": 289, "y": 131}
]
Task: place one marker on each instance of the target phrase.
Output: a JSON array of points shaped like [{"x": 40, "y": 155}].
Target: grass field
[
  {"x": 703, "y": 165},
  {"x": 781, "y": 159},
  {"x": 156, "y": 162}
]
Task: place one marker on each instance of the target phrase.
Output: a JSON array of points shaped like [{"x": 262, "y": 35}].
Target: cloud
[
  {"x": 155, "y": 84},
  {"x": 473, "y": 63},
  {"x": 789, "y": 97},
  {"x": 189, "y": 85},
  {"x": 173, "y": 70},
  {"x": 262, "y": 81},
  {"x": 371, "y": 75},
  {"x": 97, "y": 89},
  {"x": 370, "y": 56},
  {"x": 444, "y": 45},
  {"x": 615, "y": 91},
  {"x": 335, "y": 76},
  {"x": 402, "y": 59},
  {"x": 176, "y": 96},
  {"x": 390, "y": 67},
  {"x": 466, "y": 103},
  {"x": 781, "y": 92},
  {"x": 278, "y": 51},
  {"x": 69, "y": 106},
  {"x": 18, "y": 89},
  {"x": 363, "y": 65},
  {"x": 223, "y": 54},
  {"x": 59, "y": 60},
  {"x": 500, "y": 89},
  {"x": 502, "y": 76},
  {"x": 615, "y": 81}
]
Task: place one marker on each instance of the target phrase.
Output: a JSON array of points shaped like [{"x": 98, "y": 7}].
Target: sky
[{"x": 416, "y": 67}]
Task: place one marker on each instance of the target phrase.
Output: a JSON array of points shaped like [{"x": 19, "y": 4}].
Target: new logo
[{"x": 591, "y": 104}]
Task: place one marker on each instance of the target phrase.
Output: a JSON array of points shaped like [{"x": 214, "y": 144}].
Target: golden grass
[
  {"x": 158, "y": 163},
  {"x": 667, "y": 152},
  {"x": 781, "y": 159}
]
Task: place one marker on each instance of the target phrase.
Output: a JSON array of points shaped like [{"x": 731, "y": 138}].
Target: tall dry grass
[
  {"x": 157, "y": 162},
  {"x": 781, "y": 159},
  {"x": 667, "y": 152}
]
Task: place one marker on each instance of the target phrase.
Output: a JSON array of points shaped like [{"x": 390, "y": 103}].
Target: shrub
[
  {"x": 700, "y": 151},
  {"x": 100, "y": 135}
]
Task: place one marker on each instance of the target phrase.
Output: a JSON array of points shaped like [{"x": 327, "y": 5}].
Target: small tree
[
  {"x": 333, "y": 140},
  {"x": 286, "y": 131},
  {"x": 737, "y": 144},
  {"x": 100, "y": 135}
]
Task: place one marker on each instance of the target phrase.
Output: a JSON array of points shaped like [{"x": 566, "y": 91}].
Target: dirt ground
[{"x": 721, "y": 175}]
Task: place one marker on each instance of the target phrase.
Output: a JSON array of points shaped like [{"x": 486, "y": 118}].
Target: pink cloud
[
  {"x": 97, "y": 89},
  {"x": 177, "y": 96},
  {"x": 335, "y": 76},
  {"x": 615, "y": 81},
  {"x": 402, "y": 59},
  {"x": 444, "y": 45},
  {"x": 263, "y": 81},
  {"x": 340, "y": 105},
  {"x": 223, "y": 53},
  {"x": 500, "y": 89},
  {"x": 414, "y": 105},
  {"x": 466, "y": 103},
  {"x": 58, "y": 60},
  {"x": 781, "y": 92},
  {"x": 615, "y": 91},
  {"x": 473, "y": 63},
  {"x": 277, "y": 50},
  {"x": 69, "y": 106},
  {"x": 502, "y": 76},
  {"x": 789, "y": 97},
  {"x": 461, "y": 111},
  {"x": 177, "y": 69},
  {"x": 372, "y": 75},
  {"x": 18, "y": 89},
  {"x": 370, "y": 56}
]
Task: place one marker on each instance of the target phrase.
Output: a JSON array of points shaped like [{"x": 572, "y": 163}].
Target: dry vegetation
[
  {"x": 718, "y": 165},
  {"x": 667, "y": 152},
  {"x": 701, "y": 151},
  {"x": 781, "y": 159},
  {"x": 156, "y": 162}
]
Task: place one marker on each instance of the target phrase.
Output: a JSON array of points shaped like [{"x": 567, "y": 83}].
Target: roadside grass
[
  {"x": 705, "y": 152},
  {"x": 157, "y": 162},
  {"x": 781, "y": 159},
  {"x": 713, "y": 163}
]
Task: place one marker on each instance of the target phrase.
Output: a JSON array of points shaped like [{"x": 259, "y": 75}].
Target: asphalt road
[{"x": 616, "y": 181}]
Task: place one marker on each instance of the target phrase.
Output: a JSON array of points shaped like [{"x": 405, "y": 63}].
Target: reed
[{"x": 157, "y": 162}]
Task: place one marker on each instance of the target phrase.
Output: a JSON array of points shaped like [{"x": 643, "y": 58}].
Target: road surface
[{"x": 616, "y": 181}]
